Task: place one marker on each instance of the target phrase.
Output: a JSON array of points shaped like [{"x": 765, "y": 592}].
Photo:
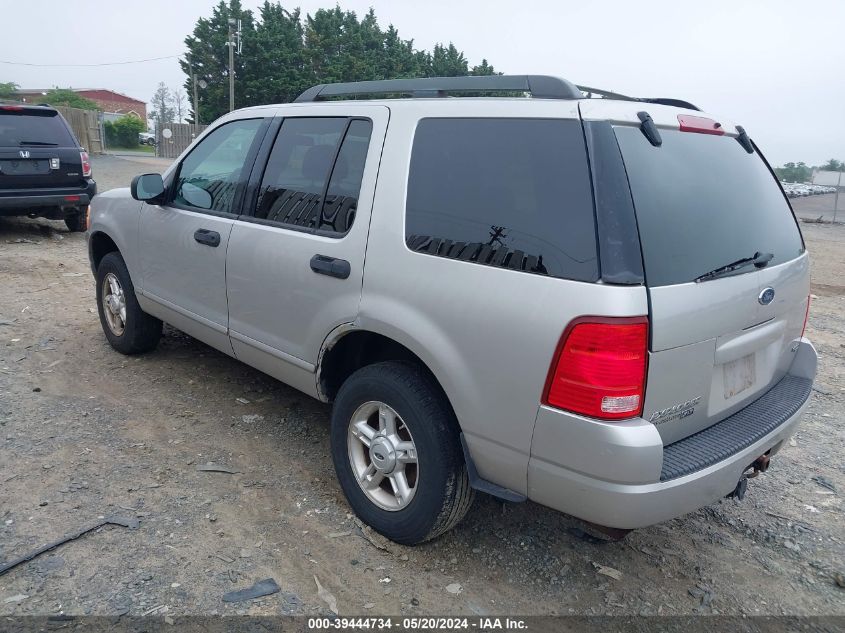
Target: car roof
[{"x": 590, "y": 109}]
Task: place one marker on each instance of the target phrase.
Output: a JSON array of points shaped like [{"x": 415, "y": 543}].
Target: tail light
[
  {"x": 806, "y": 316},
  {"x": 599, "y": 368},
  {"x": 86, "y": 164}
]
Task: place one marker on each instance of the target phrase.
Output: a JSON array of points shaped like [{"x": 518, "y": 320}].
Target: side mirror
[{"x": 147, "y": 187}]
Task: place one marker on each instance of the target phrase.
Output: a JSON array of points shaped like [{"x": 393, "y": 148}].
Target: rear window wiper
[
  {"x": 758, "y": 259},
  {"x": 41, "y": 143}
]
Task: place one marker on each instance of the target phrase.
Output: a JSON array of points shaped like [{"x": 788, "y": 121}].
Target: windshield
[
  {"x": 46, "y": 129},
  {"x": 703, "y": 202}
]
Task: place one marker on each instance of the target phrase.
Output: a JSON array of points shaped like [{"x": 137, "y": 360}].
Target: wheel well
[
  {"x": 101, "y": 245},
  {"x": 358, "y": 349}
]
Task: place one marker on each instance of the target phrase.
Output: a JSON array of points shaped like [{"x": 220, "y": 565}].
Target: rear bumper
[
  {"x": 23, "y": 201},
  {"x": 636, "y": 488}
]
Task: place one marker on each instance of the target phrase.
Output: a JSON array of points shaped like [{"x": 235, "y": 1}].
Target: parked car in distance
[
  {"x": 520, "y": 296},
  {"x": 798, "y": 190},
  {"x": 44, "y": 172},
  {"x": 146, "y": 138}
]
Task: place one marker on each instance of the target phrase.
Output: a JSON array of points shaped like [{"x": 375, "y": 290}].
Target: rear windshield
[
  {"x": 45, "y": 129},
  {"x": 703, "y": 202}
]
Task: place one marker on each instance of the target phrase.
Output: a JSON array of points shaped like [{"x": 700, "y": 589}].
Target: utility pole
[
  {"x": 231, "y": 67},
  {"x": 196, "y": 100},
  {"x": 234, "y": 36}
]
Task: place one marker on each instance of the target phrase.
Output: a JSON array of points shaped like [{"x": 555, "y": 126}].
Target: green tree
[
  {"x": 833, "y": 165},
  {"x": 7, "y": 89},
  {"x": 483, "y": 69},
  {"x": 794, "y": 172},
  {"x": 279, "y": 48},
  {"x": 208, "y": 57},
  {"x": 285, "y": 52},
  {"x": 448, "y": 61},
  {"x": 399, "y": 59},
  {"x": 67, "y": 97},
  {"x": 163, "y": 110},
  {"x": 124, "y": 132}
]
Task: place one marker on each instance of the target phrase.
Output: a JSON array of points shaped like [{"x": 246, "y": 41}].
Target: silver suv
[{"x": 589, "y": 300}]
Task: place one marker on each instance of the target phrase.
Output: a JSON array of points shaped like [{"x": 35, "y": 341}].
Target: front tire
[
  {"x": 397, "y": 453},
  {"x": 128, "y": 329}
]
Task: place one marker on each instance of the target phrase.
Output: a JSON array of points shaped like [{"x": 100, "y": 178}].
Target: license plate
[
  {"x": 739, "y": 375},
  {"x": 24, "y": 167}
]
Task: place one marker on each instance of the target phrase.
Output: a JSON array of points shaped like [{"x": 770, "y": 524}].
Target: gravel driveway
[{"x": 86, "y": 432}]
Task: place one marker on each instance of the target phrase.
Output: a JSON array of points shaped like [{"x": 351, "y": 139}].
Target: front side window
[
  {"x": 511, "y": 193},
  {"x": 314, "y": 172},
  {"x": 210, "y": 175}
]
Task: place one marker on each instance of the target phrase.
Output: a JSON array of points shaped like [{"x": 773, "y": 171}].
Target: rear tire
[
  {"x": 128, "y": 329},
  {"x": 75, "y": 222},
  {"x": 439, "y": 494}
]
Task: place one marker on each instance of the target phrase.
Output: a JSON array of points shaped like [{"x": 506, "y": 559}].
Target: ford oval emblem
[{"x": 767, "y": 296}]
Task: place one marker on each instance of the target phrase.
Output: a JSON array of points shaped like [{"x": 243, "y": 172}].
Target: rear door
[
  {"x": 37, "y": 150},
  {"x": 296, "y": 262},
  {"x": 702, "y": 202}
]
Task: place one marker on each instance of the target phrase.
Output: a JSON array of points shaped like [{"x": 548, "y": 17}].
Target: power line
[{"x": 133, "y": 61}]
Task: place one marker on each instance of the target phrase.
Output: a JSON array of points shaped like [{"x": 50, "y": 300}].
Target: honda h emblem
[{"x": 24, "y": 153}]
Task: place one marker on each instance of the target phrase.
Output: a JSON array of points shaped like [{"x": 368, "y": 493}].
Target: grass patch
[{"x": 147, "y": 149}]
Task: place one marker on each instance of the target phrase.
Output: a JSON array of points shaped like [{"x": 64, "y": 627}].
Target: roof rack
[
  {"x": 668, "y": 101},
  {"x": 539, "y": 86}
]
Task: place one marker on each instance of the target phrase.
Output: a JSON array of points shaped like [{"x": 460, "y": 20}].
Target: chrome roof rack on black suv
[{"x": 538, "y": 86}]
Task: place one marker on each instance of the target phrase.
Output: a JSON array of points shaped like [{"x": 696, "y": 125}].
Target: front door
[
  {"x": 183, "y": 241},
  {"x": 296, "y": 262}
]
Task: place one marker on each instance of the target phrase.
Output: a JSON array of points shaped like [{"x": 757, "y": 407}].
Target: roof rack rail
[
  {"x": 606, "y": 94},
  {"x": 539, "y": 86}
]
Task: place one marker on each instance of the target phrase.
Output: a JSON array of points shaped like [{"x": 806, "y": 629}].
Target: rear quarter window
[
  {"x": 511, "y": 193},
  {"x": 703, "y": 202}
]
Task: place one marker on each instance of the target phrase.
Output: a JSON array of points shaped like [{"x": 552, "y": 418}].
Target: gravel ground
[
  {"x": 820, "y": 206},
  {"x": 86, "y": 432}
]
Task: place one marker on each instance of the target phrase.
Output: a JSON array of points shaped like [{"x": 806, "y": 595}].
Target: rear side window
[
  {"x": 313, "y": 176},
  {"x": 23, "y": 129},
  {"x": 703, "y": 202},
  {"x": 211, "y": 174},
  {"x": 511, "y": 193}
]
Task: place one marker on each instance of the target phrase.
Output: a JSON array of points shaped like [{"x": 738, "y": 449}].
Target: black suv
[{"x": 43, "y": 170}]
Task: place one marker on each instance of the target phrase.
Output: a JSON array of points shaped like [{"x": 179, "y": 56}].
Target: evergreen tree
[
  {"x": 208, "y": 57},
  {"x": 448, "y": 62},
  {"x": 279, "y": 68},
  {"x": 285, "y": 52}
]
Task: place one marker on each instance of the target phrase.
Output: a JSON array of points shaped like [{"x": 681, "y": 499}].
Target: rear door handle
[
  {"x": 209, "y": 238},
  {"x": 331, "y": 266}
]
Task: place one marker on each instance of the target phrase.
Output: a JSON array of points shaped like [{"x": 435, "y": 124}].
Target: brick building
[{"x": 106, "y": 100}]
